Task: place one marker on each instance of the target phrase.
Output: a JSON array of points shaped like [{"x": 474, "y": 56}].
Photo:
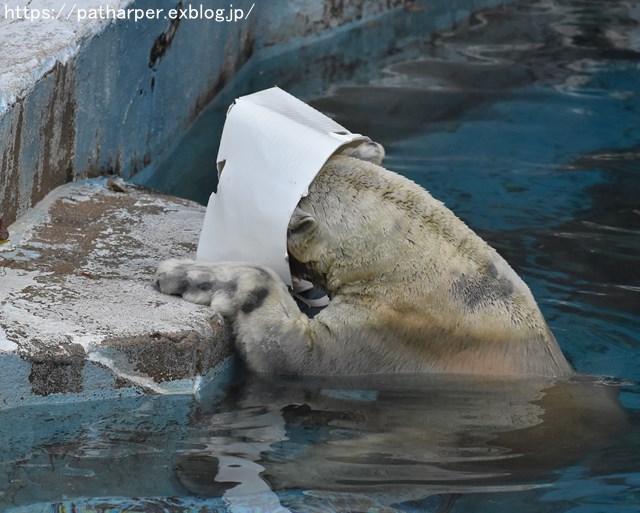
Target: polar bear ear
[
  {"x": 366, "y": 150},
  {"x": 301, "y": 221}
]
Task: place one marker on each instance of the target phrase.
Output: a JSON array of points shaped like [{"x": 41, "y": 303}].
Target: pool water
[
  {"x": 374, "y": 444},
  {"x": 525, "y": 121}
]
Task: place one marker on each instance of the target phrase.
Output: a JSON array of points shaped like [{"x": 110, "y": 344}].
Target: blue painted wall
[{"x": 134, "y": 89}]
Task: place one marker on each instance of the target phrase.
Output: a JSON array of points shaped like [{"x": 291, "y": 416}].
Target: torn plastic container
[{"x": 272, "y": 147}]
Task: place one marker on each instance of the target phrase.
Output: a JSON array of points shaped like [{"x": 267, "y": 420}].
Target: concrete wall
[
  {"x": 124, "y": 91},
  {"x": 131, "y": 90}
]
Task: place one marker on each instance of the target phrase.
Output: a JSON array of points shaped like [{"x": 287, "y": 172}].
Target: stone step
[{"x": 79, "y": 315}]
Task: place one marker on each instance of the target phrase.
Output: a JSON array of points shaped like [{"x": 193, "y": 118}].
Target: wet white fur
[{"x": 413, "y": 288}]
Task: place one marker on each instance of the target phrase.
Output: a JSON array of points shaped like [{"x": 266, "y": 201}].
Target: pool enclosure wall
[{"x": 109, "y": 96}]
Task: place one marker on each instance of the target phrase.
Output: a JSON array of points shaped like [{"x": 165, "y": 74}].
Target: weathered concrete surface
[
  {"x": 78, "y": 311},
  {"x": 83, "y": 98}
]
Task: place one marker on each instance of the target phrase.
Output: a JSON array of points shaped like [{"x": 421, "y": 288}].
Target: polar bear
[{"x": 412, "y": 288}]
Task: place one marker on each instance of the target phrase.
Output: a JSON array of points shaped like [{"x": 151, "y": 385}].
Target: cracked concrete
[{"x": 78, "y": 312}]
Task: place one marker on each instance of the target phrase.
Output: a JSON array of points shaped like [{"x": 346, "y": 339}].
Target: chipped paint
[
  {"x": 6, "y": 346},
  {"x": 94, "y": 97}
]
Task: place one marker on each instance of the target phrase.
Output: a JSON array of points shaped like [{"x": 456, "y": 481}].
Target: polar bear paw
[
  {"x": 230, "y": 288},
  {"x": 198, "y": 283}
]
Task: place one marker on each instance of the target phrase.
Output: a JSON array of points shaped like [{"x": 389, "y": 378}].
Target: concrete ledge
[{"x": 78, "y": 312}]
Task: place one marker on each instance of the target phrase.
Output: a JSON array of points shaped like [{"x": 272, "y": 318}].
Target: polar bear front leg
[{"x": 272, "y": 334}]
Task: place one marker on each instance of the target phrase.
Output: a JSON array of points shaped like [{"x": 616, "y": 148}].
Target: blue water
[{"x": 526, "y": 123}]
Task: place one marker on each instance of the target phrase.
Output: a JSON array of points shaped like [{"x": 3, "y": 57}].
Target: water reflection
[
  {"x": 559, "y": 44},
  {"x": 94, "y": 449},
  {"x": 308, "y": 445},
  {"x": 388, "y": 440}
]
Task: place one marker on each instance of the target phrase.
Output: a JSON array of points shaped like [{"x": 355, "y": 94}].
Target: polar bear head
[{"x": 323, "y": 220}]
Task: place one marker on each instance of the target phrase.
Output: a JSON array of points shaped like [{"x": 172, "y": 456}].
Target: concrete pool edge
[
  {"x": 106, "y": 104},
  {"x": 79, "y": 314}
]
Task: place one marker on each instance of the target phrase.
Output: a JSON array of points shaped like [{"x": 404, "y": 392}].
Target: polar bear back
[{"x": 385, "y": 245}]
